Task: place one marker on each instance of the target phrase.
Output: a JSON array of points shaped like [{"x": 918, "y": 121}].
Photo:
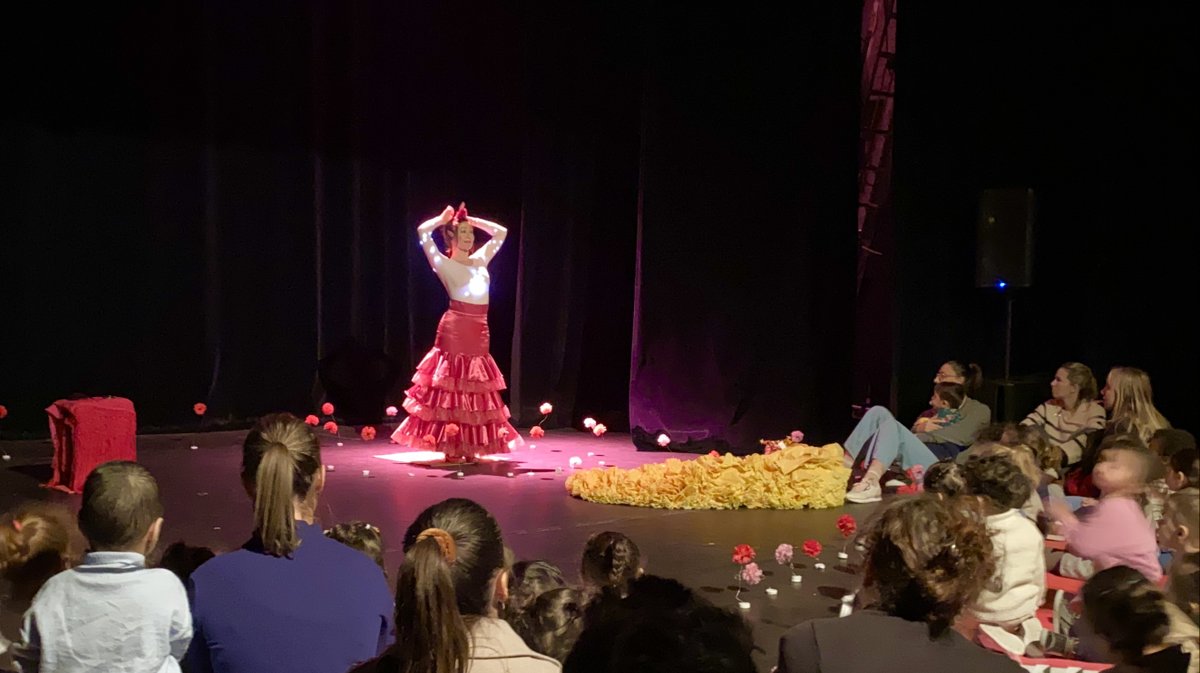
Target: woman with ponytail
[
  {"x": 290, "y": 599},
  {"x": 451, "y": 581}
]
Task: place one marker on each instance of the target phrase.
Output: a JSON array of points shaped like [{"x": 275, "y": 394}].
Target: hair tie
[
  {"x": 444, "y": 540},
  {"x": 461, "y": 214}
]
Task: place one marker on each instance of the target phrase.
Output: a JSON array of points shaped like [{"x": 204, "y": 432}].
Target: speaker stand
[{"x": 1008, "y": 339}]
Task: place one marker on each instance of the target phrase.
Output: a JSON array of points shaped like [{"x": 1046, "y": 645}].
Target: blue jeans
[{"x": 879, "y": 436}]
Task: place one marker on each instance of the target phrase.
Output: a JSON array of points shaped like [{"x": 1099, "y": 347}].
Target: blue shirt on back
[{"x": 322, "y": 610}]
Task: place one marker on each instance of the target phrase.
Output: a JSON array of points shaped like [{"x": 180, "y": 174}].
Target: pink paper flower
[
  {"x": 198, "y": 408},
  {"x": 537, "y": 432},
  {"x": 589, "y": 422},
  {"x": 599, "y": 430},
  {"x": 451, "y": 430},
  {"x": 751, "y": 574},
  {"x": 3, "y": 411},
  {"x": 784, "y": 554},
  {"x": 430, "y": 440},
  {"x": 327, "y": 409},
  {"x": 546, "y": 408},
  {"x": 714, "y": 453},
  {"x": 312, "y": 420},
  {"x": 331, "y": 428},
  {"x": 663, "y": 440},
  {"x": 368, "y": 433},
  {"x": 797, "y": 436},
  {"x": 391, "y": 411}
]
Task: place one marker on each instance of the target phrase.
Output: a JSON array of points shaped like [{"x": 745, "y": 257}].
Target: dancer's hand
[{"x": 447, "y": 215}]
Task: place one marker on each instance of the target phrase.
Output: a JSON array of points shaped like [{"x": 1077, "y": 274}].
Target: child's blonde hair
[
  {"x": 1183, "y": 509},
  {"x": 36, "y": 542}
]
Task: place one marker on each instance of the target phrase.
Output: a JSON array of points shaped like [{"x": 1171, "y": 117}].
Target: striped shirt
[{"x": 1065, "y": 429}]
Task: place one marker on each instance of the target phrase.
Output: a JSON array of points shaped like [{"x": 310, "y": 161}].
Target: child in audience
[
  {"x": 1019, "y": 584},
  {"x": 183, "y": 559},
  {"x": 1132, "y": 625},
  {"x": 111, "y": 612},
  {"x": 945, "y": 402},
  {"x": 1169, "y": 441},
  {"x": 553, "y": 622},
  {"x": 362, "y": 536},
  {"x": 660, "y": 626},
  {"x": 35, "y": 544},
  {"x": 945, "y": 479},
  {"x": 1183, "y": 470},
  {"x": 528, "y": 580},
  {"x": 610, "y": 560},
  {"x": 1114, "y": 531},
  {"x": 453, "y": 575}
]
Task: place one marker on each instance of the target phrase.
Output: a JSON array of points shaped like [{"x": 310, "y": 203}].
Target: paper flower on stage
[
  {"x": 430, "y": 440},
  {"x": 537, "y": 432},
  {"x": 714, "y": 453},
  {"x": 391, "y": 411},
  {"x": 812, "y": 548},
  {"x": 546, "y": 408},
  {"x": 502, "y": 433},
  {"x": 796, "y": 436},
  {"x": 663, "y": 440},
  {"x": 451, "y": 430},
  {"x": 327, "y": 409},
  {"x": 331, "y": 428},
  {"x": 847, "y": 525},
  {"x": 908, "y": 489},
  {"x": 743, "y": 554},
  {"x": 589, "y": 423},
  {"x": 312, "y": 420},
  {"x": 368, "y": 433},
  {"x": 784, "y": 554},
  {"x": 751, "y": 574},
  {"x": 3, "y": 411},
  {"x": 599, "y": 430},
  {"x": 199, "y": 408}
]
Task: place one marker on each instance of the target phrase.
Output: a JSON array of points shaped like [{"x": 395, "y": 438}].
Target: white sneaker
[
  {"x": 865, "y": 491},
  {"x": 895, "y": 483}
]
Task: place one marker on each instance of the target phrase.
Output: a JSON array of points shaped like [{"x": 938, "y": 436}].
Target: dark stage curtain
[{"x": 745, "y": 284}]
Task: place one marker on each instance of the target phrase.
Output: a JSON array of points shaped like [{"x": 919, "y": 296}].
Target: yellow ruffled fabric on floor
[{"x": 793, "y": 477}]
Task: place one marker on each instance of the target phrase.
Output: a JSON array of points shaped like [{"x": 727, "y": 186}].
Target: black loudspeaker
[{"x": 1004, "y": 247}]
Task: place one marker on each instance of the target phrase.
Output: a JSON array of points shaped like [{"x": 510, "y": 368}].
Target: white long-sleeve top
[
  {"x": 111, "y": 613},
  {"x": 471, "y": 282},
  {"x": 1019, "y": 584}
]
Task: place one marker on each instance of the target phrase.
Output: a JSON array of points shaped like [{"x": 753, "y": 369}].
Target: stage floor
[{"x": 205, "y": 505}]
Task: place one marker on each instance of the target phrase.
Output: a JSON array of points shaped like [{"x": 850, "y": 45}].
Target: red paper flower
[
  {"x": 743, "y": 554},
  {"x": 331, "y": 428},
  {"x": 546, "y": 408},
  {"x": 199, "y": 408},
  {"x": 599, "y": 430},
  {"x": 812, "y": 548},
  {"x": 451, "y": 430},
  {"x": 368, "y": 433},
  {"x": 847, "y": 525},
  {"x": 391, "y": 411},
  {"x": 3, "y": 411},
  {"x": 327, "y": 409},
  {"x": 537, "y": 432},
  {"x": 430, "y": 440},
  {"x": 908, "y": 489},
  {"x": 312, "y": 420}
]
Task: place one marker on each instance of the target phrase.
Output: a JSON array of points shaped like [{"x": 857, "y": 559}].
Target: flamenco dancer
[{"x": 454, "y": 404}]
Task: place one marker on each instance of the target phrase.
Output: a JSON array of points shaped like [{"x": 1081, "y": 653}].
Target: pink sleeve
[{"x": 1093, "y": 535}]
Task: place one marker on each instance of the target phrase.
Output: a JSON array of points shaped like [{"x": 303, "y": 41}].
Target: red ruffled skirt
[{"x": 458, "y": 384}]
